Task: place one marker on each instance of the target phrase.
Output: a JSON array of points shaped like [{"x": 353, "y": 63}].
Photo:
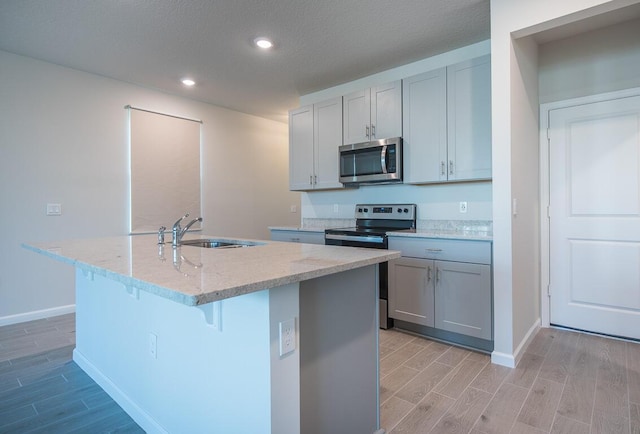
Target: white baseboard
[
  {"x": 511, "y": 360},
  {"x": 526, "y": 341},
  {"x": 503, "y": 359},
  {"x": 142, "y": 418},
  {"x": 36, "y": 314}
]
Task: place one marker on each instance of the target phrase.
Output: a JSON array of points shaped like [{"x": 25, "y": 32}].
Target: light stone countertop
[
  {"x": 452, "y": 235},
  {"x": 195, "y": 276}
]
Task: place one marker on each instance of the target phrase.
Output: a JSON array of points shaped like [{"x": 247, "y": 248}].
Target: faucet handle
[{"x": 161, "y": 234}]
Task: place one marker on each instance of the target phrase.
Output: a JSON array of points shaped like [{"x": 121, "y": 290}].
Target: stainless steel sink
[{"x": 217, "y": 244}]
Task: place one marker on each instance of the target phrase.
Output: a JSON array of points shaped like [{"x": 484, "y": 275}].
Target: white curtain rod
[{"x": 159, "y": 113}]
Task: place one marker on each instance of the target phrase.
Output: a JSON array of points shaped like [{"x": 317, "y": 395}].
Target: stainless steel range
[{"x": 373, "y": 221}]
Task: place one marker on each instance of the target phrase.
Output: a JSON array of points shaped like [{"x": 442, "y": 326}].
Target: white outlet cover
[{"x": 287, "y": 335}]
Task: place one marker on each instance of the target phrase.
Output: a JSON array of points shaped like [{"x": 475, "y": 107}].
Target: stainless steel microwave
[{"x": 379, "y": 161}]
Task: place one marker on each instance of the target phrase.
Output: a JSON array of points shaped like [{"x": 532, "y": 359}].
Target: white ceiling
[{"x": 318, "y": 43}]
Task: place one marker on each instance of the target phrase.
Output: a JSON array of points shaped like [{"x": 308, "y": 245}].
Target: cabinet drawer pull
[
  {"x": 434, "y": 250},
  {"x": 310, "y": 179},
  {"x": 450, "y": 167},
  {"x": 442, "y": 168},
  {"x": 373, "y": 131},
  {"x": 429, "y": 272},
  {"x": 437, "y": 274},
  {"x": 366, "y": 129}
]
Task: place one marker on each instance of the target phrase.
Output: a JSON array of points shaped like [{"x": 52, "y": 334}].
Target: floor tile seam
[
  {"x": 430, "y": 390},
  {"x": 484, "y": 408},
  {"x": 444, "y": 413},
  {"x": 395, "y": 369},
  {"x": 392, "y": 352},
  {"x": 555, "y": 413},
  {"x": 405, "y": 363},
  {"x": 493, "y": 396},
  {"x": 468, "y": 385}
]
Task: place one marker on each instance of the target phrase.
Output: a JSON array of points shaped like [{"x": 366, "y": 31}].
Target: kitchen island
[{"x": 275, "y": 337}]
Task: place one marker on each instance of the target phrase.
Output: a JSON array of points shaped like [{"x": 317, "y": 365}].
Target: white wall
[
  {"x": 514, "y": 94},
  {"x": 63, "y": 139},
  {"x": 435, "y": 202},
  {"x": 599, "y": 61}
]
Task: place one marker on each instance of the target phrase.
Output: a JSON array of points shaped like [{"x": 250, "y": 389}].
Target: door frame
[{"x": 545, "y": 245}]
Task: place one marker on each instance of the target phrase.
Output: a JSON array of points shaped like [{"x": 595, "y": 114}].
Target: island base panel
[
  {"x": 202, "y": 378},
  {"x": 339, "y": 353}
]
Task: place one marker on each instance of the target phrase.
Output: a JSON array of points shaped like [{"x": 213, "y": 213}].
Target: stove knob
[
  {"x": 406, "y": 210},
  {"x": 399, "y": 210},
  {"x": 366, "y": 210},
  {"x": 359, "y": 209}
]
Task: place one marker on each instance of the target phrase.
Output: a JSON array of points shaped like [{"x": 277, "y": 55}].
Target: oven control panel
[{"x": 402, "y": 211}]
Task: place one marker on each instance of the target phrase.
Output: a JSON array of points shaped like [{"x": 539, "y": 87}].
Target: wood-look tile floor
[
  {"x": 43, "y": 391},
  {"x": 566, "y": 382}
]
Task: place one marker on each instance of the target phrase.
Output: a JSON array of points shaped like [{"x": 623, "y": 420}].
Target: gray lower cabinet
[
  {"x": 444, "y": 285},
  {"x": 411, "y": 294},
  {"x": 463, "y": 298},
  {"x": 295, "y": 236}
]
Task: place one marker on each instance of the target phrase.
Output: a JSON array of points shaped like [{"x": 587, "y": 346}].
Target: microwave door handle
[{"x": 383, "y": 159}]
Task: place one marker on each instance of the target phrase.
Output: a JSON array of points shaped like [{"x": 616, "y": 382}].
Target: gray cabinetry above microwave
[
  {"x": 372, "y": 114},
  {"x": 315, "y": 134},
  {"x": 447, "y": 123}
]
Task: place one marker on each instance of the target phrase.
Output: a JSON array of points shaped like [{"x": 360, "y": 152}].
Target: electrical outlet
[
  {"x": 153, "y": 345},
  {"x": 54, "y": 209},
  {"x": 287, "y": 336},
  {"x": 294, "y": 208},
  {"x": 463, "y": 207}
]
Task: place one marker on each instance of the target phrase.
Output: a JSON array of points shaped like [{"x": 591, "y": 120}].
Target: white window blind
[{"x": 165, "y": 169}]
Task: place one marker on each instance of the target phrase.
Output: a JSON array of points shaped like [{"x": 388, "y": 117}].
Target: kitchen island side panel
[
  {"x": 206, "y": 376},
  {"x": 339, "y": 353}
]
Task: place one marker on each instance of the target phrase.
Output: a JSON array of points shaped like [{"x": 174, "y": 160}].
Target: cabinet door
[
  {"x": 357, "y": 117},
  {"x": 411, "y": 290},
  {"x": 301, "y": 148},
  {"x": 386, "y": 111},
  {"x": 327, "y": 139},
  {"x": 424, "y": 114},
  {"x": 469, "y": 119},
  {"x": 463, "y": 298}
]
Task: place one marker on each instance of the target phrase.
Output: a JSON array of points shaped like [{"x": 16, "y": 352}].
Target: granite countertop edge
[{"x": 205, "y": 296}]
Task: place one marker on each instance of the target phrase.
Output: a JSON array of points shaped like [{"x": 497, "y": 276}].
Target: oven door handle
[{"x": 364, "y": 239}]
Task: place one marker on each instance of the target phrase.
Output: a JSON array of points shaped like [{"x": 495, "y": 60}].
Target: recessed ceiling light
[
  {"x": 263, "y": 43},
  {"x": 188, "y": 82}
]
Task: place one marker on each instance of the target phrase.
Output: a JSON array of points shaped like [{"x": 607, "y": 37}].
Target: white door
[{"x": 594, "y": 225}]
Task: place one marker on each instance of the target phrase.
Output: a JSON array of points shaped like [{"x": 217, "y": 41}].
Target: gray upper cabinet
[
  {"x": 469, "y": 119},
  {"x": 315, "y": 133},
  {"x": 374, "y": 113},
  {"x": 424, "y": 102},
  {"x": 447, "y": 123}
]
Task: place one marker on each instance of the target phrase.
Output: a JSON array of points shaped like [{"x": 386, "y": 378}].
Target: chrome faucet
[{"x": 179, "y": 231}]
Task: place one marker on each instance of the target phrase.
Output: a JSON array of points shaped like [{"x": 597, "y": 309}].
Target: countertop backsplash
[{"x": 463, "y": 228}]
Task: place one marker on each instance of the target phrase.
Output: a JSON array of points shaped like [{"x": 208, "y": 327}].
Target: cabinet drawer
[
  {"x": 308, "y": 237},
  {"x": 478, "y": 252}
]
